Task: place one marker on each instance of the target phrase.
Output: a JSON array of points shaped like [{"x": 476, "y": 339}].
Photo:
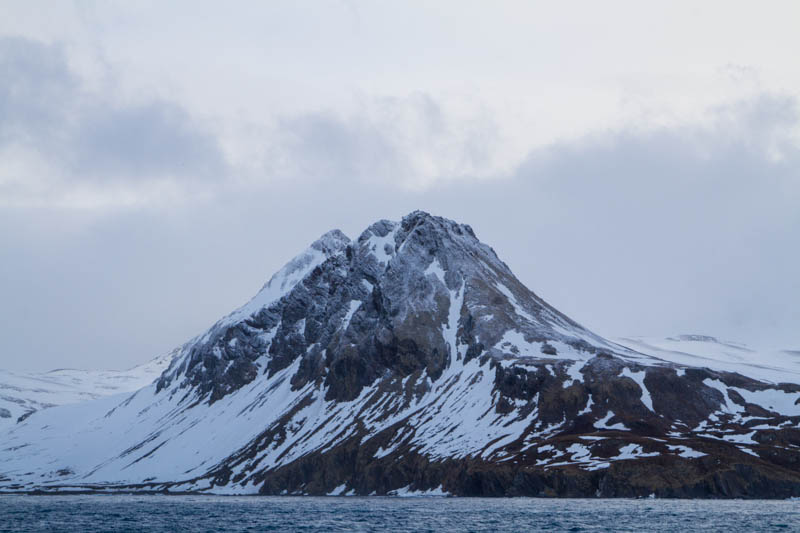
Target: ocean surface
[{"x": 217, "y": 513}]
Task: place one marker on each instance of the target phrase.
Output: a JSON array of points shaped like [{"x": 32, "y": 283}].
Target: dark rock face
[
  {"x": 417, "y": 361},
  {"x": 400, "y": 277}
]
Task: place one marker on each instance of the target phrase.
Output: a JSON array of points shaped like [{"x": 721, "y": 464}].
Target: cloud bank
[
  {"x": 63, "y": 145},
  {"x": 128, "y": 225}
]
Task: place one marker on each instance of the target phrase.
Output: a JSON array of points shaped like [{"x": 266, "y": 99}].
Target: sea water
[{"x": 307, "y": 514}]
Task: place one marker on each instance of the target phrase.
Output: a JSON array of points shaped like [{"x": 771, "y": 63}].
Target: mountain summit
[
  {"x": 413, "y": 296},
  {"x": 412, "y": 359}
]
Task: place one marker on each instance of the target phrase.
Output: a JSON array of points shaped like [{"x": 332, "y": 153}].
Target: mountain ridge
[
  {"x": 24, "y": 393},
  {"x": 413, "y": 359}
]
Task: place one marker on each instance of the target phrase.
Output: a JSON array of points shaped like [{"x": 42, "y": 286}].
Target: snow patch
[
  {"x": 685, "y": 451},
  {"x": 435, "y": 269},
  {"x": 638, "y": 377},
  {"x": 603, "y": 423},
  {"x": 382, "y": 247},
  {"x": 633, "y": 451},
  {"x": 406, "y": 492},
  {"x": 574, "y": 373},
  {"x": 354, "y": 305},
  {"x": 338, "y": 491}
]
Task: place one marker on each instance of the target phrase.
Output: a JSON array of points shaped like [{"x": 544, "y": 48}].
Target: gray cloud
[
  {"x": 403, "y": 143},
  {"x": 35, "y": 81},
  {"x": 323, "y": 145},
  {"x": 45, "y": 109},
  {"x": 672, "y": 230},
  {"x": 158, "y": 138}
]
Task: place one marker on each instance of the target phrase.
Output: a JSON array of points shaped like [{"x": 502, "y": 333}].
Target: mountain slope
[
  {"x": 772, "y": 366},
  {"x": 23, "y": 393},
  {"x": 408, "y": 360}
]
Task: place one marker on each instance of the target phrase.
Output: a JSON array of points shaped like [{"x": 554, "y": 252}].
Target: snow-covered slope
[
  {"x": 775, "y": 366},
  {"x": 412, "y": 360},
  {"x": 23, "y": 393}
]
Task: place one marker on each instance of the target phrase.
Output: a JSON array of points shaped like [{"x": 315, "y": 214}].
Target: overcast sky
[{"x": 637, "y": 164}]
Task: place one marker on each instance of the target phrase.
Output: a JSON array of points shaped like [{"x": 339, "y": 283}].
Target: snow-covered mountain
[
  {"x": 411, "y": 360},
  {"x": 23, "y": 393}
]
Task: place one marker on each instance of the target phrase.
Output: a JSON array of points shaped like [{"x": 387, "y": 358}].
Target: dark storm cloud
[{"x": 44, "y": 108}]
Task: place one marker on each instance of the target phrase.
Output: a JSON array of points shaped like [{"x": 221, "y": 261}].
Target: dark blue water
[{"x": 210, "y": 513}]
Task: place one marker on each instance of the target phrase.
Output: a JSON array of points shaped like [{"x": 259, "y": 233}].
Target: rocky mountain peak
[
  {"x": 421, "y": 226},
  {"x": 413, "y": 359},
  {"x": 421, "y": 219},
  {"x": 407, "y": 297},
  {"x": 331, "y": 242},
  {"x": 421, "y": 244}
]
